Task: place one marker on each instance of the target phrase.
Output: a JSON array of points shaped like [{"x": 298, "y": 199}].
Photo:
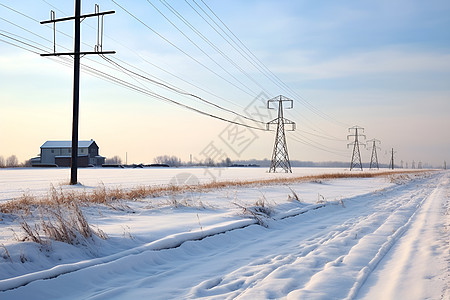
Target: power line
[
  {"x": 304, "y": 101},
  {"x": 321, "y": 136},
  {"x": 160, "y": 97},
  {"x": 207, "y": 41},
  {"x": 177, "y": 90},
  {"x": 178, "y": 48},
  {"x": 128, "y": 85},
  {"x": 18, "y": 46},
  {"x": 37, "y": 21},
  {"x": 299, "y": 140},
  {"x": 317, "y": 144},
  {"x": 211, "y": 44},
  {"x": 22, "y": 42},
  {"x": 137, "y": 54}
]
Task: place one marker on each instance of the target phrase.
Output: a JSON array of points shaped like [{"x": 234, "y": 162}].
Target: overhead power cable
[
  {"x": 200, "y": 49},
  {"x": 299, "y": 140},
  {"x": 178, "y": 48},
  {"x": 150, "y": 63},
  {"x": 300, "y": 98},
  {"x": 18, "y": 46},
  {"x": 211, "y": 44},
  {"x": 22, "y": 42},
  {"x": 320, "y": 145},
  {"x": 321, "y": 136},
  {"x": 128, "y": 85},
  {"x": 177, "y": 90},
  {"x": 37, "y": 21}
]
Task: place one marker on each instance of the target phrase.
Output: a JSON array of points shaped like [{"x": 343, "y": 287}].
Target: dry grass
[
  {"x": 106, "y": 196},
  {"x": 294, "y": 196},
  {"x": 6, "y": 255},
  {"x": 63, "y": 223},
  {"x": 260, "y": 211}
]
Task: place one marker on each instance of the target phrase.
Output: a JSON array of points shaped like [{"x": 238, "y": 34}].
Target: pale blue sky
[{"x": 383, "y": 65}]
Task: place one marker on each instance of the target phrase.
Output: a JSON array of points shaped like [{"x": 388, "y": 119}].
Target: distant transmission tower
[
  {"x": 419, "y": 165},
  {"x": 445, "y": 165},
  {"x": 391, "y": 163},
  {"x": 374, "y": 156},
  {"x": 356, "y": 155},
  {"x": 413, "y": 165},
  {"x": 280, "y": 156}
]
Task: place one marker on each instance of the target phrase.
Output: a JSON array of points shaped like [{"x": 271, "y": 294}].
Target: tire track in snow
[
  {"x": 360, "y": 260},
  {"x": 314, "y": 254},
  {"x": 417, "y": 256}
]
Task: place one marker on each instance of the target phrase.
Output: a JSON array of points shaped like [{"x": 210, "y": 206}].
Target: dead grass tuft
[
  {"x": 260, "y": 211},
  {"x": 6, "y": 255},
  {"x": 63, "y": 223},
  {"x": 294, "y": 197}
]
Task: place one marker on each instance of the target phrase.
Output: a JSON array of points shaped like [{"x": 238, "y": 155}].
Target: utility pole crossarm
[
  {"x": 284, "y": 120},
  {"x": 279, "y": 99},
  {"x": 80, "y": 53},
  {"x": 80, "y": 17}
]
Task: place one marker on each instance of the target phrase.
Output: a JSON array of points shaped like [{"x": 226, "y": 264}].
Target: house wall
[
  {"x": 48, "y": 154},
  {"x": 65, "y": 161}
]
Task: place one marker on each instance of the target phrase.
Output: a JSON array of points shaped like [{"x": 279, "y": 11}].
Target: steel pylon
[
  {"x": 391, "y": 162},
  {"x": 374, "y": 156},
  {"x": 356, "y": 154},
  {"x": 280, "y": 156}
]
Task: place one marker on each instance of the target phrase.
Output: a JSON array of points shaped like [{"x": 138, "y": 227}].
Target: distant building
[{"x": 59, "y": 153}]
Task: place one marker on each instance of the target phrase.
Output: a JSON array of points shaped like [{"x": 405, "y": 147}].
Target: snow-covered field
[
  {"x": 353, "y": 238},
  {"x": 16, "y": 182}
]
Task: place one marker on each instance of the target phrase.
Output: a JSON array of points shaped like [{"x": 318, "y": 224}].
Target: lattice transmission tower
[
  {"x": 356, "y": 154},
  {"x": 391, "y": 163},
  {"x": 374, "y": 156},
  {"x": 280, "y": 156}
]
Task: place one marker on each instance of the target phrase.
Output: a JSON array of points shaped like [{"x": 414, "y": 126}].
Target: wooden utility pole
[{"x": 76, "y": 54}]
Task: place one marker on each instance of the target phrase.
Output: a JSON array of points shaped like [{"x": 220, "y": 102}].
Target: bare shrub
[
  {"x": 115, "y": 160},
  {"x": 12, "y": 161}
]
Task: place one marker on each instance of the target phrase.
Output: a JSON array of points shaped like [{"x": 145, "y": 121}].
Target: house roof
[{"x": 66, "y": 144}]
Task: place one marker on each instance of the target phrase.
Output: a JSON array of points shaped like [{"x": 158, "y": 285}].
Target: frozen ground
[{"x": 367, "y": 238}]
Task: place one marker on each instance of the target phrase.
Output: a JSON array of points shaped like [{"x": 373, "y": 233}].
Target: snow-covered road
[{"x": 390, "y": 243}]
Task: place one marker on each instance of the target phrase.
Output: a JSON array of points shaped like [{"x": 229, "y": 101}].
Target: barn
[{"x": 59, "y": 153}]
